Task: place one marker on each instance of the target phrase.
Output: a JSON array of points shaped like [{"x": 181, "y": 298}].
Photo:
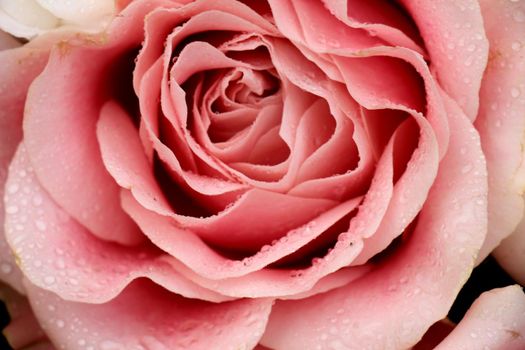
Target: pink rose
[{"x": 288, "y": 174}]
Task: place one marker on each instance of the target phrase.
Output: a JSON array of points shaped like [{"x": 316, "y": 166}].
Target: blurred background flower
[{"x": 29, "y": 18}]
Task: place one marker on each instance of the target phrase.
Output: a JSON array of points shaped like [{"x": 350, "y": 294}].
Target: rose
[
  {"x": 28, "y": 18},
  {"x": 493, "y": 322},
  {"x": 370, "y": 141}
]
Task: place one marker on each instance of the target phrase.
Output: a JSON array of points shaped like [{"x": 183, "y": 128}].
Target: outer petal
[
  {"x": 59, "y": 127},
  {"x": 454, "y": 36},
  {"x": 145, "y": 316},
  {"x": 18, "y": 69},
  {"x": 496, "y": 320},
  {"x": 501, "y": 123},
  {"x": 58, "y": 254},
  {"x": 391, "y": 307}
]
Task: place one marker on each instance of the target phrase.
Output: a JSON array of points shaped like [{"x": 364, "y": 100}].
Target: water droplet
[
  {"x": 514, "y": 92},
  {"x": 110, "y": 345},
  {"x": 333, "y": 330},
  {"x": 519, "y": 16},
  {"x": 466, "y": 168},
  {"x": 40, "y": 225},
  {"x": 49, "y": 280},
  {"x": 12, "y": 189},
  {"x": 60, "y": 324},
  {"x": 81, "y": 342},
  {"x": 37, "y": 200},
  {"x": 516, "y": 46},
  {"x": 12, "y": 209},
  {"x": 61, "y": 264}
]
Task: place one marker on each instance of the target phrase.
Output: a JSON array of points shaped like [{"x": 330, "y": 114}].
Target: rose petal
[
  {"x": 18, "y": 69},
  {"x": 310, "y": 24},
  {"x": 184, "y": 245},
  {"x": 378, "y": 17},
  {"x": 418, "y": 282},
  {"x": 58, "y": 254},
  {"x": 456, "y": 42},
  {"x": 500, "y": 121},
  {"x": 125, "y": 323},
  {"x": 60, "y": 122},
  {"x": 496, "y": 320}
]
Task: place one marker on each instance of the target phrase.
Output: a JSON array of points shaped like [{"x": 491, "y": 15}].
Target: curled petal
[
  {"x": 126, "y": 323},
  {"x": 496, "y": 320}
]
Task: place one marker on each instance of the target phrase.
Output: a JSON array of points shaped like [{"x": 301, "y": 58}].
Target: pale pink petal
[
  {"x": 60, "y": 121},
  {"x": 496, "y": 320},
  {"x": 392, "y": 306},
  {"x": 18, "y": 69},
  {"x": 145, "y": 316},
  {"x": 510, "y": 254},
  {"x": 500, "y": 121},
  {"x": 455, "y": 39},
  {"x": 58, "y": 254}
]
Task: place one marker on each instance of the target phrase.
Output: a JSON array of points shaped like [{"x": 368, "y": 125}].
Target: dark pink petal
[
  {"x": 496, "y": 320},
  {"x": 145, "y": 316},
  {"x": 399, "y": 67},
  {"x": 187, "y": 247},
  {"x": 277, "y": 283},
  {"x": 18, "y": 69},
  {"x": 500, "y": 121},
  {"x": 380, "y": 18},
  {"x": 58, "y": 254},
  {"x": 455, "y": 39},
  {"x": 59, "y": 127},
  {"x": 410, "y": 191},
  {"x": 162, "y": 21},
  {"x": 124, "y": 157},
  {"x": 392, "y": 306},
  {"x": 309, "y": 23}
]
